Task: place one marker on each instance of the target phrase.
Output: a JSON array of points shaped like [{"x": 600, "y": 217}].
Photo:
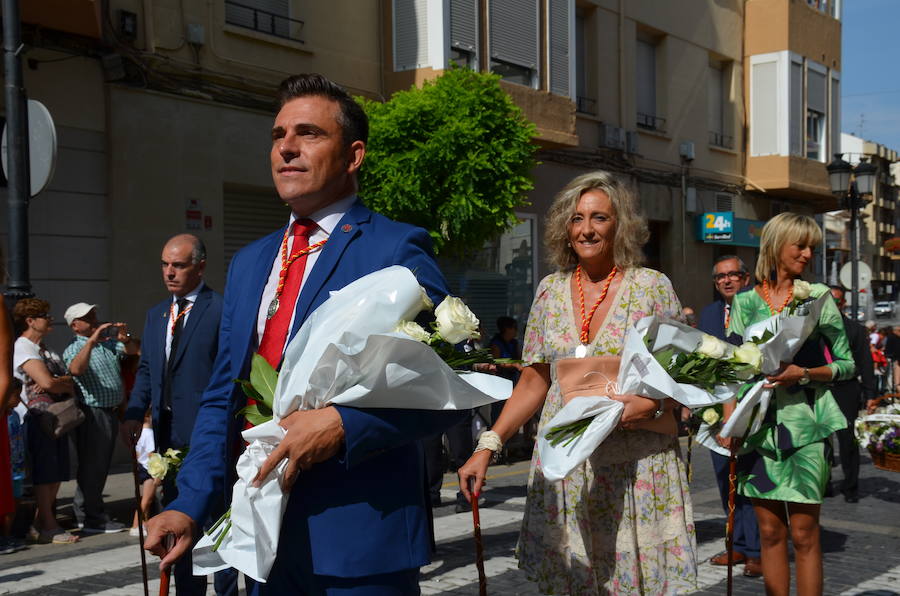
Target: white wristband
[{"x": 489, "y": 440}]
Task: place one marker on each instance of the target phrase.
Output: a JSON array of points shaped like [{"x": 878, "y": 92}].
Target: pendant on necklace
[
  {"x": 581, "y": 351},
  {"x": 273, "y": 308}
]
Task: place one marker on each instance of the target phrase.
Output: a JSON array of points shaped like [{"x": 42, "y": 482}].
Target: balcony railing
[
  {"x": 648, "y": 122},
  {"x": 263, "y": 21},
  {"x": 586, "y": 105},
  {"x": 717, "y": 139}
]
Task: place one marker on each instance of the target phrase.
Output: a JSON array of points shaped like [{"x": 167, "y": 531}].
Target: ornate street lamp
[{"x": 851, "y": 193}]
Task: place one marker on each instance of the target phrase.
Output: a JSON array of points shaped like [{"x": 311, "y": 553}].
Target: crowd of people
[{"x": 621, "y": 523}]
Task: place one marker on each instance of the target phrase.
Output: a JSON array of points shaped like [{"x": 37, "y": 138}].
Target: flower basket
[{"x": 886, "y": 461}]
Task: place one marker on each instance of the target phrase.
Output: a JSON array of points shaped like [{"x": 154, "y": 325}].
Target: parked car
[{"x": 884, "y": 309}]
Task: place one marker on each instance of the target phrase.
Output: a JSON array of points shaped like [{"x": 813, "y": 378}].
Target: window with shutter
[
  {"x": 265, "y": 16},
  {"x": 645, "y": 80},
  {"x": 410, "y": 34},
  {"x": 249, "y": 216},
  {"x": 796, "y": 107},
  {"x": 559, "y": 15},
  {"x": 585, "y": 101},
  {"x": 834, "y": 114},
  {"x": 764, "y": 108},
  {"x": 464, "y": 32},
  {"x": 513, "y": 33},
  {"x": 816, "y": 102},
  {"x": 716, "y": 98}
]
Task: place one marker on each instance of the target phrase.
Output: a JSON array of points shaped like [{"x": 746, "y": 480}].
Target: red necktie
[{"x": 271, "y": 347}]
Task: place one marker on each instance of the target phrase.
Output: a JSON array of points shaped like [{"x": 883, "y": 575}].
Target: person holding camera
[
  {"x": 43, "y": 375},
  {"x": 94, "y": 360}
]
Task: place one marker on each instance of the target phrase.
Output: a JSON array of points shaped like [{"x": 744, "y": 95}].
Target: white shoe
[
  {"x": 134, "y": 532},
  {"x": 110, "y": 527}
]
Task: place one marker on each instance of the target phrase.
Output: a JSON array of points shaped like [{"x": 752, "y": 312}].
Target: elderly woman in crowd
[
  {"x": 621, "y": 523},
  {"x": 44, "y": 376},
  {"x": 789, "y": 471}
]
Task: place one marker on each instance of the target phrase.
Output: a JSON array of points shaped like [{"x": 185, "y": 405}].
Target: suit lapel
[
  {"x": 193, "y": 320},
  {"x": 344, "y": 232}
]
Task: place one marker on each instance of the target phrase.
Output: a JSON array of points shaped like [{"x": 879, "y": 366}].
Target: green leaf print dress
[{"x": 788, "y": 456}]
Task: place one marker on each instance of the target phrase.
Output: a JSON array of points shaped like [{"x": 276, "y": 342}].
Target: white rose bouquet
[
  {"x": 159, "y": 466},
  {"x": 360, "y": 348}
]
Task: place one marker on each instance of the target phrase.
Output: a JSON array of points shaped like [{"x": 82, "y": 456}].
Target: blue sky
[{"x": 871, "y": 70}]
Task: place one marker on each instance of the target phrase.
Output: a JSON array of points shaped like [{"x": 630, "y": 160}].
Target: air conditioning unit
[
  {"x": 612, "y": 137},
  {"x": 631, "y": 142}
]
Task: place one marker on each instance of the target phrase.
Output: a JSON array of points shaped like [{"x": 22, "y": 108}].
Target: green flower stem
[
  {"x": 222, "y": 536},
  {"x": 226, "y": 519},
  {"x": 567, "y": 433}
]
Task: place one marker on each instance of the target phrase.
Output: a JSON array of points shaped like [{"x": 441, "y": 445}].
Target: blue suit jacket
[
  {"x": 192, "y": 366},
  {"x": 362, "y": 512}
]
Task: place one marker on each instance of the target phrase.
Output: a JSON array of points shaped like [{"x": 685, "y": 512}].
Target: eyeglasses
[{"x": 732, "y": 275}]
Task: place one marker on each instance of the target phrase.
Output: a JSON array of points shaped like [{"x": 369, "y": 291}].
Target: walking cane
[
  {"x": 729, "y": 526},
  {"x": 479, "y": 546},
  {"x": 137, "y": 501},
  {"x": 165, "y": 576}
]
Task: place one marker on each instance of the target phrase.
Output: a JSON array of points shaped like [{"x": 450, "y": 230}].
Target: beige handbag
[
  {"x": 60, "y": 417},
  {"x": 597, "y": 375}
]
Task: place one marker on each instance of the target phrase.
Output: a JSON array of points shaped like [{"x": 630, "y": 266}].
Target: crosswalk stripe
[
  {"x": 886, "y": 583},
  {"x": 29, "y": 577}
]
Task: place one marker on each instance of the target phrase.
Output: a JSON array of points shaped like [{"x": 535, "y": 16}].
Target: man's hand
[
  {"x": 98, "y": 332},
  {"x": 166, "y": 524},
  {"x": 313, "y": 436},
  {"x": 130, "y": 431}
]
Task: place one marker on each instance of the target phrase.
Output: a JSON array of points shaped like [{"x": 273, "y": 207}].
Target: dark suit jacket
[
  {"x": 192, "y": 367},
  {"x": 852, "y": 391},
  {"x": 362, "y": 512},
  {"x": 712, "y": 321}
]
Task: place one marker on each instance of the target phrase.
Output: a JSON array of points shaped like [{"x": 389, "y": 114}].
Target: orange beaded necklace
[
  {"x": 772, "y": 309},
  {"x": 586, "y": 319},
  {"x": 286, "y": 262}
]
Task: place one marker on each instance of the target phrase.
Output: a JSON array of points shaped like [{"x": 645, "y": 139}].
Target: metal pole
[
  {"x": 18, "y": 176},
  {"x": 854, "y": 252}
]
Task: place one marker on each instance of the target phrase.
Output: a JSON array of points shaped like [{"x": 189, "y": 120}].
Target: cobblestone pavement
[{"x": 861, "y": 543}]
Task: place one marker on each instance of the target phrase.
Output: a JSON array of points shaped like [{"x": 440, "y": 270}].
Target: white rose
[
  {"x": 413, "y": 330},
  {"x": 802, "y": 289},
  {"x": 712, "y": 347},
  {"x": 710, "y": 416},
  {"x": 157, "y": 466},
  {"x": 172, "y": 453},
  {"x": 427, "y": 304},
  {"x": 455, "y": 322},
  {"x": 749, "y": 353}
]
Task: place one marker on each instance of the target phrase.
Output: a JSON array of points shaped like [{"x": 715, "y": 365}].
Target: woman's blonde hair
[
  {"x": 631, "y": 232},
  {"x": 785, "y": 228}
]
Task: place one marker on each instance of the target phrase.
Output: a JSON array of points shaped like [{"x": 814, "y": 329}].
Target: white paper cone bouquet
[
  {"x": 779, "y": 338},
  {"x": 662, "y": 359},
  {"x": 360, "y": 348}
]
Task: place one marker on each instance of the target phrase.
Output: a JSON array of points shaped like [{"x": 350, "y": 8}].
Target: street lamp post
[{"x": 851, "y": 193}]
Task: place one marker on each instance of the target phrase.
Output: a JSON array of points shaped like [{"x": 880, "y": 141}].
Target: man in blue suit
[
  {"x": 180, "y": 341},
  {"x": 730, "y": 276},
  {"x": 355, "y": 522}
]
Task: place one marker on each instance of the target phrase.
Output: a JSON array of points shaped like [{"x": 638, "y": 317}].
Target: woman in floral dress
[
  {"x": 788, "y": 473},
  {"x": 621, "y": 523}
]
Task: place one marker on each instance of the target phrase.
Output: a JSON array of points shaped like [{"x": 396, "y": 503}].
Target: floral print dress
[{"x": 622, "y": 523}]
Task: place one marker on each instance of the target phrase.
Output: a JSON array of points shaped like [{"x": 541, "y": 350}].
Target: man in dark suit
[
  {"x": 852, "y": 395},
  {"x": 730, "y": 276},
  {"x": 355, "y": 521},
  {"x": 180, "y": 341}
]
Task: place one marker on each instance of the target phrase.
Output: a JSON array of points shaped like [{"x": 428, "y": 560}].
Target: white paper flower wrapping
[
  {"x": 640, "y": 374},
  {"x": 346, "y": 352}
]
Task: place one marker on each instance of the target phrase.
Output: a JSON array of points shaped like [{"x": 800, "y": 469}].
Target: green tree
[{"x": 453, "y": 157}]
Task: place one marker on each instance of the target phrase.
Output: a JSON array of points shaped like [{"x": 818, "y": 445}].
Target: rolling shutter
[
  {"x": 410, "y": 34},
  {"x": 250, "y": 216},
  {"x": 797, "y": 120},
  {"x": 464, "y": 25},
  {"x": 559, "y": 46},
  {"x": 514, "y": 32}
]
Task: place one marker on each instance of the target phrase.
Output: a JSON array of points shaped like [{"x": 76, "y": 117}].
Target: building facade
[{"x": 721, "y": 112}]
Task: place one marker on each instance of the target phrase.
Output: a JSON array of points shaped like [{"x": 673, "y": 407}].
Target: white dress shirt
[
  {"x": 326, "y": 219},
  {"x": 191, "y": 297}
]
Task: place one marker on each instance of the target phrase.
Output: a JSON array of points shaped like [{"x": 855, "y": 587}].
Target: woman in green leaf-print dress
[
  {"x": 622, "y": 522},
  {"x": 788, "y": 471}
]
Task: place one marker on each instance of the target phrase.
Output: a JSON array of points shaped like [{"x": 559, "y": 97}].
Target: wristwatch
[{"x": 804, "y": 380}]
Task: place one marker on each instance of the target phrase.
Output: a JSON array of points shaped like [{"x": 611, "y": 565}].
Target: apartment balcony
[
  {"x": 553, "y": 115},
  {"x": 80, "y": 17},
  {"x": 792, "y": 177}
]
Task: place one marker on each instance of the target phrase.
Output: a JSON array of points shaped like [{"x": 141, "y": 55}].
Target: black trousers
[
  {"x": 848, "y": 400},
  {"x": 460, "y": 438}
]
